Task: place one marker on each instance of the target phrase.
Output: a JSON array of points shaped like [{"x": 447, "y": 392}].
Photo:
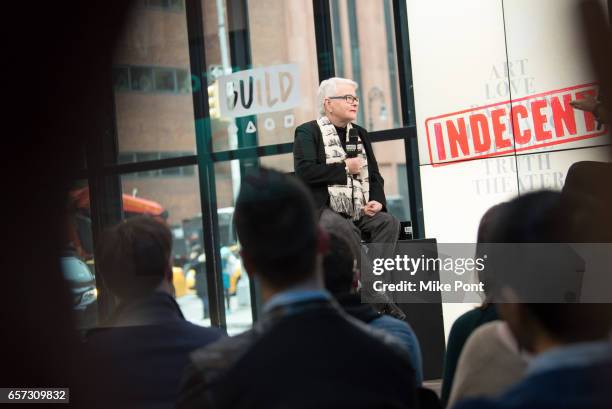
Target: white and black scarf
[{"x": 351, "y": 197}]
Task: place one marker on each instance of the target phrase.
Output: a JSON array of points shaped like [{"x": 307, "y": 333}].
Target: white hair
[{"x": 328, "y": 88}]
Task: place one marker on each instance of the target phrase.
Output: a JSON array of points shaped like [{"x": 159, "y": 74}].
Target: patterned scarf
[{"x": 351, "y": 197}]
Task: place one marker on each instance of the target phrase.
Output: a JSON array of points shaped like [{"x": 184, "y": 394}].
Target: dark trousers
[{"x": 381, "y": 228}]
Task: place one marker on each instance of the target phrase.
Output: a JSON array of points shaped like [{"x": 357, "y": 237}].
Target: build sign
[{"x": 259, "y": 91}]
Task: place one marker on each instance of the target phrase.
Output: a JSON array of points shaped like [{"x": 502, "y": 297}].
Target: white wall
[{"x": 462, "y": 52}]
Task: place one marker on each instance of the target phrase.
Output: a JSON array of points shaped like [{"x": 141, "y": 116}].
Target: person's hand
[
  {"x": 598, "y": 36},
  {"x": 354, "y": 165},
  {"x": 588, "y": 104},
  {"x": 372, "y": 207}
]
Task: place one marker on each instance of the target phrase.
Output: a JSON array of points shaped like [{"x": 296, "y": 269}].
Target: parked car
[
  {"x": 82, "y": 282},
  {"x": 83, "y": 288}
]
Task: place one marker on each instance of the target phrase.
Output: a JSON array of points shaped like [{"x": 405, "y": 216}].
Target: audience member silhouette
[
  {"x": 572, "y": 354},
  {"x": 341, "y": 280},
  {"x": 146, "y": 338},
  {"x": 463, "y": 326},
  {"x": 303, "y": 352},
  {"x": 490, "y": 363}
]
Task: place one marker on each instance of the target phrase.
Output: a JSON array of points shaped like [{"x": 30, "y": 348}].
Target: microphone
[{"x": 352, "y": 149}]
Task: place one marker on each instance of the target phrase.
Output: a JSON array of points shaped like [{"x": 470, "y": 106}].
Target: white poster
[
  {"x": 453, "y": 46},
  {"x": 492, "y": 85}
]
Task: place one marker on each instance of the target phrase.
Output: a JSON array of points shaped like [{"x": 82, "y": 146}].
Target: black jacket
[
  {"x": 352, "y": 305},
  {"x": 148, "y": 350},
  {"x": 309, "y": 355},
  {"x": 310, "y": 166}
]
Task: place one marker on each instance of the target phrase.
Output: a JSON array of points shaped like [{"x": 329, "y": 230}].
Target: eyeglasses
[{"x": 351, "y": 99}]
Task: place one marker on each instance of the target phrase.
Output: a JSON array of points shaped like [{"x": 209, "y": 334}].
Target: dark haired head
[
  {"x": 134, "y": 257},
  {"x": 532, "y": 218},
  {"x": 339, "y": 266},
  {"x": 276, "y": 225},
  {"x": 566, "y": 323},
  {"x": 535, "y": 217},
  {"x": 588, "y": 199},
  {"x": 488, "y": 222},
  {"x": 541, "y": 217}
]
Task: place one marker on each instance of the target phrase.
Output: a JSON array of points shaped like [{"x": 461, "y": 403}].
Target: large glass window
[
  {"x": 236, "y": 286},
  {"x": 356, "y": 26},
  {"x": 175, "y": 201},
  {"x": 262, "y": 70},
  {"x": 77, "y": 259},
  {"x": 391, "y": 158},
  {"x": 152, "y": 82},
  {"x": 282, "y": 163}
]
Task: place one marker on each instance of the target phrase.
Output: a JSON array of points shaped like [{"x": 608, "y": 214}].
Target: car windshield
[{"x": 75, "y": 270}]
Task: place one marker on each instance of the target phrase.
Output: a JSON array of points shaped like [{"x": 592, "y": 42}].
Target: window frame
[{"x": 104, "y": 172}]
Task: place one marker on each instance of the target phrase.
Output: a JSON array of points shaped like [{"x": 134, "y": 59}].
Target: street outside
[{"x": 238, "y": 318}]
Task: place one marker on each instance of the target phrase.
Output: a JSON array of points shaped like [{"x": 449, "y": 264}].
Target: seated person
[
  {"x": 489, "y": 364},
  {"x": 303, "y": 352},
  {"x": 463, "y": 326},
  {"x": 341, "y": 280},
  {"x": 569, "y": 342},
  {"x": 348, "y": 192},
  {"x": 147, "y": 340}
]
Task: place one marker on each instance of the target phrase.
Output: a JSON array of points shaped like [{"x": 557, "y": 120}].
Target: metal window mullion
[
  {"x": 129, "y": 73},
  {"x": 413, "y": 170},
  {"x": 404, "y": 64},
  {"x": 175, "y": 75},
  {"x": 197, "y": 59},
  {"x": 351, "y": 6},
  {"x": 324, "y": 39},
  {"x": 337, "y": 32},
  {"x": 106, "y": 206},
  {"x": 241, "y": 59},
  {"x": 391, "y": 62}
]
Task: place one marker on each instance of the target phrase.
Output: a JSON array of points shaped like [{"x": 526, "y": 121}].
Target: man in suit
[
  {"x": 304, "y": 351},
  {"x": 147, "y": 340},
  {"x": 348, "y": 191}
]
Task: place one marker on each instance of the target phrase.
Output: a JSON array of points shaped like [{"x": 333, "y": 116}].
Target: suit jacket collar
[
  {"x": 352, "y": 305},
  {"x": 157, "y": 308}
]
